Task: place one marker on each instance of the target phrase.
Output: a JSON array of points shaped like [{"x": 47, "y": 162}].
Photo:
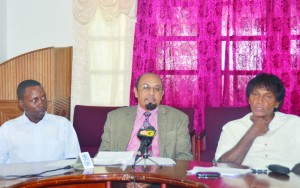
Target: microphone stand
[{"x": 145, "y": 155}]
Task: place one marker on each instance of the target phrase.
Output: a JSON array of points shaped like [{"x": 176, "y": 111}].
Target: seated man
[
  {"x": 265, "y": 136},
  {"x": 36, "y": 135},
  {"x": 172, "y": 138}
]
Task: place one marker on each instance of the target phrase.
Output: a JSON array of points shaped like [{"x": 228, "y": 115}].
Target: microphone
[
  {"x": 146, "y": 136},
  {"x": 150, "y": 106},
  {"x": 146, "y": 133}
]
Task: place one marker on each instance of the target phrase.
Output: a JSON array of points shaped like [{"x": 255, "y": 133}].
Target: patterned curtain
[{"x": 207, "y": 51}]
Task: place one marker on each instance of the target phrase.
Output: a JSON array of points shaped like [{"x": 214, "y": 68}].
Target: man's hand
[
  {"x": 259, "y": 127},
  {"x": 238, "y": 153}
]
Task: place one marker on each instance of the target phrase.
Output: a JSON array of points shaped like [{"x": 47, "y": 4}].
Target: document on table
[
  {"x": 127, "y": 158},
  {"x": 224, "y": 171},
  {"x": 113, "y": 158},
  {"x": 153, "y": 161}
]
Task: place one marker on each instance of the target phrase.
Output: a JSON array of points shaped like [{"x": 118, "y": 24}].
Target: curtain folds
[
  {"x": 102, "y": 52},
  {"x": 85, "y": 10}
]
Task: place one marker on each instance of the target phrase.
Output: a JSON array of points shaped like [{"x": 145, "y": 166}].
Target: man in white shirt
[
  {"x": 36, "y": 135},
  {"x": 264, "y": 136}
]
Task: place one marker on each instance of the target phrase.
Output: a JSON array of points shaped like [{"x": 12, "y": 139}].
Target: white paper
[
  {"x": 224, "y": 171},
  {"x": 113, "y": 158},
  {"x": 153, "y": 161}
]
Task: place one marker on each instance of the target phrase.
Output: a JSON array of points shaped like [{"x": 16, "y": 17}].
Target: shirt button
[
  {"x": 266, "y": 144},
  {"x": 266, "y": 155}
]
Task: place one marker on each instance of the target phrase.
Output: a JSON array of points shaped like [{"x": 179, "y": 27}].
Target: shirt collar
[{"x": 28, "y": 122}]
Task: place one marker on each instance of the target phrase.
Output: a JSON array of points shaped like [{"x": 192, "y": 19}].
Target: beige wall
[{"x": 34, "y": 24}]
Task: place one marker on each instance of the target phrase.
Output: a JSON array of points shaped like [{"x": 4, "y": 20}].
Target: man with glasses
[{"x": 172, "y": 138}]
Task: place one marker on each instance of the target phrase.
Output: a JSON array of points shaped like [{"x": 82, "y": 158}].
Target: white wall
[
  {"x": 35, "y": 24},
  {"x": 3, "y": 33}
]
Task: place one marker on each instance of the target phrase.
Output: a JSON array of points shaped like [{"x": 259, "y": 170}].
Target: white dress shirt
[
  {"x": 52, "y": 138},
  {"x": 280, "y": 145}
]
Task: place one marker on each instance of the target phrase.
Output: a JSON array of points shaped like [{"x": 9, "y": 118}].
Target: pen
[{"x": 259, "y": 171}]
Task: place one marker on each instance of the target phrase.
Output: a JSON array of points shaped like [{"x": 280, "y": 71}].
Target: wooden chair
[{"x": 215, "y": 118}]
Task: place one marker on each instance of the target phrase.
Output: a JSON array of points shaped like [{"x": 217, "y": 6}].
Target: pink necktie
[{"x": 146, "y": 123}]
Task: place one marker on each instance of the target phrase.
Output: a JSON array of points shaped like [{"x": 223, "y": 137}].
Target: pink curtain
[{"x": 207, "y": 50}]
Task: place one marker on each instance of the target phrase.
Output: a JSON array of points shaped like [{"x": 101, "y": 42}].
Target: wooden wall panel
[
  {"x": 33, "y": 65},
  {"x": 50, "y": 66},
  {"x": 62, "y": 107},
  {"x": 9, "y": 110},
  {"x": 62, "y": 71}
]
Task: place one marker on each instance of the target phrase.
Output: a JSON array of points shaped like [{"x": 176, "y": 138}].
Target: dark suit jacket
[{"x": 173, "y": 135}]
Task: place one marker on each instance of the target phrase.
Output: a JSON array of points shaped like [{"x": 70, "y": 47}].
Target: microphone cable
[{"x": 12, "y": 177}]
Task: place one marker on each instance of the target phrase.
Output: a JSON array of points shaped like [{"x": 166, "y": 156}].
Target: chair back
[
  {"x": 215, "y": 119},
  {"x": 190, "y": 113},
  {"x": 88, "y": 122}
]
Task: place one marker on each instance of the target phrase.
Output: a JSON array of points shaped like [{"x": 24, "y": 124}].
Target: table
[{"x": 166, "y": 176}]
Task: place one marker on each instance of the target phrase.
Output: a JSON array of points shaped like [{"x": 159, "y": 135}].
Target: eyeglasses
[{"x": 147, "y": 88}]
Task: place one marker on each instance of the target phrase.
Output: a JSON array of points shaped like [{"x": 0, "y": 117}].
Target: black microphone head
[
  {"x": 146, "y": 133},
  {"x": 146, "y": 136},
  {"x": 139, "y": 135},
  {"x": 150, "y": 106}
]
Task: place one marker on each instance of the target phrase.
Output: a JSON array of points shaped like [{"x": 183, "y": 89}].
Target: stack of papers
[
  {"x": 224, "y": 171},
  {"x": 113, "y": 158},
  {"x": 127, "y": 158},
  {"x": 154, "y": 161}
]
